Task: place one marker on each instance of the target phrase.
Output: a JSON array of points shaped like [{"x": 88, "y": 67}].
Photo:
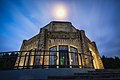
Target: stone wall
[{"x": 63, "y": 33}]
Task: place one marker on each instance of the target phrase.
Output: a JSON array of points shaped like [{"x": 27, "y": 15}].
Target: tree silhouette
[
  {"x": 7, "y": 61},
  {"x": 110, "y": 62}
]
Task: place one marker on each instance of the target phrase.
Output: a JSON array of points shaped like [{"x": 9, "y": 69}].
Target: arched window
[
  {"x": 53, "y": 56},
  {"x": 74, "y": 56},
  {"x": 64, "y": 56}
]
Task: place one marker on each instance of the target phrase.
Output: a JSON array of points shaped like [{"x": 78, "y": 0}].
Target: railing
[{"x": 43, "y": 59}]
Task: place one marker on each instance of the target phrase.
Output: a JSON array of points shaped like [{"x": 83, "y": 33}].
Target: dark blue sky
[{"x": 22, "y": 19}]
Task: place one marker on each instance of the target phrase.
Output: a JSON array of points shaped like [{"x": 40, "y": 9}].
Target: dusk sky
[{"x": 22, "y": 19}]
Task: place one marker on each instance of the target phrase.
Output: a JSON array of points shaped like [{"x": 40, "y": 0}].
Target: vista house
[{"x": 59, "y": 45}]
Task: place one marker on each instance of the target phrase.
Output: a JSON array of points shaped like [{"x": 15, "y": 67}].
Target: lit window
[
  {"x": 53, "y": 57},
  {"x": 74, "y": 56}
]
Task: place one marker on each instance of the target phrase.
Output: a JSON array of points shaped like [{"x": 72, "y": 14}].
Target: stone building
[{"x": 71, "y": 48}]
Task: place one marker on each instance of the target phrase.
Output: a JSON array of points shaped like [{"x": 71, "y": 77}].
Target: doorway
[{"x": 63, "y": 56}]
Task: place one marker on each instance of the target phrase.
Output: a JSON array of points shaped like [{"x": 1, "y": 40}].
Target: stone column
[
  {"x": 99, "y": 61},
  {"x": 85, "y": 50},
  {"x": 45, "y": 47}
]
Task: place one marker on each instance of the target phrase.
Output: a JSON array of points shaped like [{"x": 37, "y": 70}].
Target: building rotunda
[{"x": 59, "y": 45}]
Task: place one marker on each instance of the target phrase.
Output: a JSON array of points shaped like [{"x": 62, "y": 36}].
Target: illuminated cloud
[{"x": 22, "y": 19}]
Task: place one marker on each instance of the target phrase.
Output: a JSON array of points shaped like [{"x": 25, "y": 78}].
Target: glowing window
[
  {"x": 52, "y": 57},
  {"x": 74, "y": 56}
]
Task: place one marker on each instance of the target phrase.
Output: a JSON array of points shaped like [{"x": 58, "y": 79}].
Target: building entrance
[{"x": 63, "y": 56}]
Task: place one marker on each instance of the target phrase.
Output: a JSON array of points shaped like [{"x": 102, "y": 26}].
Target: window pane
[
  {"x": 52, "y": 58},
  {"x": 63, "y": 48},
  {"x": 74, "y": 56}
]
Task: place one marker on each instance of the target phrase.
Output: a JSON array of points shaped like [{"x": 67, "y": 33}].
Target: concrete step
[
  {"x": 81, "y": 78},
  {"x": 97, "y": 73},
  {"x": 106, "y": 70},
  {"x": 89, "y": 76}
]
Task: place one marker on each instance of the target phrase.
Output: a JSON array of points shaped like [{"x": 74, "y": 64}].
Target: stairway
[{"x": 91, "y": 75}]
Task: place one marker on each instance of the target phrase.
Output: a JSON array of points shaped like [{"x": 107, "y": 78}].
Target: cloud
[{"x": 100, "y": 19}]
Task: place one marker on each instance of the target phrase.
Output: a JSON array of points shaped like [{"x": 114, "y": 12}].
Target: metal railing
[{"x": 43, "y": 59}]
